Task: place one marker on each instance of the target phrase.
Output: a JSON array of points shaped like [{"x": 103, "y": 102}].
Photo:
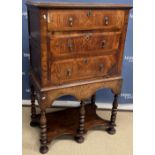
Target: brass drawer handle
[
  {"x": 70, "y": 21},
  {"x": 69, "y": 72},
  {"x": 103, "y": 43},
  {"x": 44, "y": 16},
  {"x": 89, "y": 13},
  {"x": 106, "y": 20},
  {"x": 101, "y": 67},
  {"x": 70, "y": 45},
  {"x": 85, "y": 60}
]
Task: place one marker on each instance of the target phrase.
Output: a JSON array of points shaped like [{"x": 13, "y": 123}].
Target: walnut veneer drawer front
[
  {"x": 82, "y": 68},
  {"x": 84, "y": 19},
  {"x": 91, "y": 42}
]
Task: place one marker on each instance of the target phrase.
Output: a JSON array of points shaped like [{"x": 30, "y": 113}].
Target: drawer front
[
  {"x": 84, "y": 19},
  {"x": 73, "y": 70},
  {"x": 86, "y": 42}
]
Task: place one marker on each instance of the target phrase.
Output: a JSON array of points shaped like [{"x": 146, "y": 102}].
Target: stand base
[{"x": 67, "y": 122}]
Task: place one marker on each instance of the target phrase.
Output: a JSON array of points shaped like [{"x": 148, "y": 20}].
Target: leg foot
[
  {"x": 79, "y": 139},
  {"x": 43, "y": 149},
  {"x": 111, "y": 131}
]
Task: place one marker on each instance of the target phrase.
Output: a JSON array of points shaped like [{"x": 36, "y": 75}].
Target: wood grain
[
  {"x": 43, "y": 45},
  {"x": 80, "y": 92},
  {"x": 82, "y": 69},
  {"x": 59, "y": 21},
  {"x": 84, "y": 42}
]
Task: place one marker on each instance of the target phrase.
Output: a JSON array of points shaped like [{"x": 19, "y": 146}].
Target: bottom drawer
[{"x": 72, "y": 70}]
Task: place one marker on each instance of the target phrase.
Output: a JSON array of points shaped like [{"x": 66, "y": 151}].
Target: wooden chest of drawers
[{"x": 75, "y": 49}]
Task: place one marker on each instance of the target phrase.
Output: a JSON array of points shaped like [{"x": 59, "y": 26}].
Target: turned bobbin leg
[
  {"x": 43, "y": 135},
  {"x": 33, "y": 108},
  {"x": 93, "y": 99},
  {"x": 112, "y": 129},
  {"x": 79, "y": 137}
]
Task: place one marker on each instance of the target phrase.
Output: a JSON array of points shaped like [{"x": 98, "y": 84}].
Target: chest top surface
[{"x": 77, "y": 4}]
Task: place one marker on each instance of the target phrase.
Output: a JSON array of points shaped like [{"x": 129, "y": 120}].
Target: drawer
[
  {"x": 72, "y": 70},
  {"x": 84, "y": 19},
  {"x": 85, "y": 42}
]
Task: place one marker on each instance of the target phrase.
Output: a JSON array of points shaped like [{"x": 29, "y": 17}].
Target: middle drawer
[{"x": 90, "y": 42}]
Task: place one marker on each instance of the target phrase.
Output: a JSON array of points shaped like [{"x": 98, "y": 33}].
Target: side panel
[
  {"x": 34, "y": 42},
  {"x": 44, "y": 50}
]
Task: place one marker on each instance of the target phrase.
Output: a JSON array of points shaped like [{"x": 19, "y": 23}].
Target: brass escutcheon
[{"x": 89, "y": 13}]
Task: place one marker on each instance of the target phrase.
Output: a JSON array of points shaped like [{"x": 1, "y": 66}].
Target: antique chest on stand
[{"x": 75, "y": 49}]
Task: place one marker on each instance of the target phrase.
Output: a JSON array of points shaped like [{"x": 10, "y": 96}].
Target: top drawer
[{"x": 84, "y": 19}]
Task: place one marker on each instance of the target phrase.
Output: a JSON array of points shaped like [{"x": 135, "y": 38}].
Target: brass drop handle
[
  {"x": 70, "y": 45},
  {"x": 44, "y": 16},
  {"x": 70, "y": 21},
  {"x": 106, "y": 20},
  {"x": 69, "y": 72},
  {"x": 101, "y": 67},
  {"x": 103, "y": 43}
]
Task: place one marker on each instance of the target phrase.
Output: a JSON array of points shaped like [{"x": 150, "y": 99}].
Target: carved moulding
[{"x": 80, "y": 91}]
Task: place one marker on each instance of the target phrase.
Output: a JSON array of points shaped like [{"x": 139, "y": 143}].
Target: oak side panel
[
  {"x": 44, "y": 51},
  {"x": 34, "y": 41}
]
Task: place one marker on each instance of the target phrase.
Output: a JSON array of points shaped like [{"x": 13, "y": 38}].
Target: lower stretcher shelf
[{"x": 66, "y": 121}]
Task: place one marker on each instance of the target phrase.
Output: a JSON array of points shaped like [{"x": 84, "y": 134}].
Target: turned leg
[
  {"x": 79, "y": 137},
  {"x": 43, "y": 135},
  {"x": 112, "y": 129},
  {"x": 93, "y": 99},
  {"x": 33, "y": 108}
]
